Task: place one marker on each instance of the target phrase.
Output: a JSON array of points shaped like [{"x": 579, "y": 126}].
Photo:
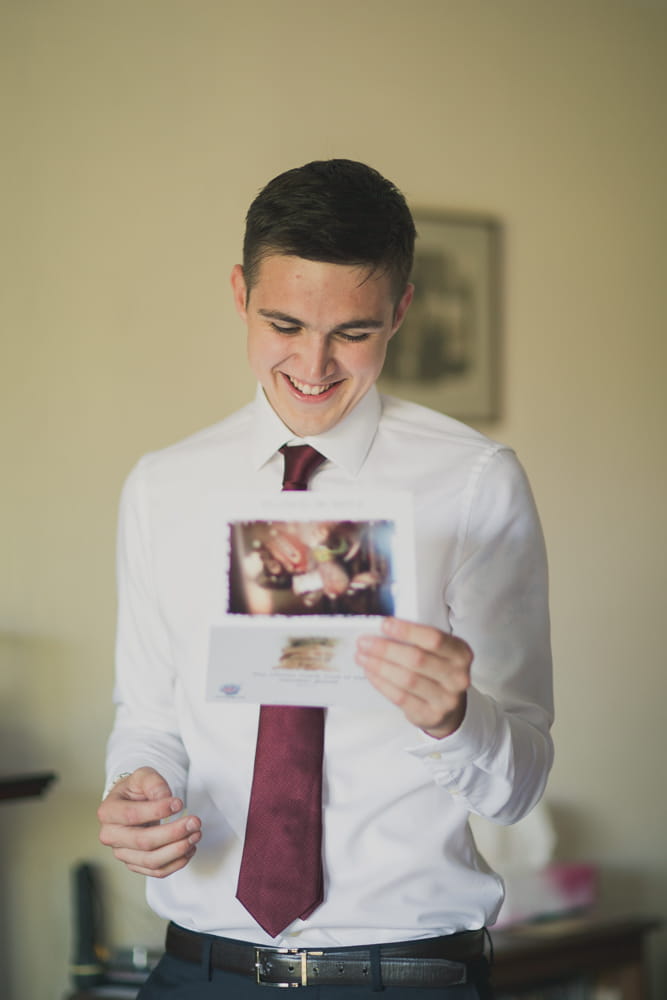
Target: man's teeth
[{"x": 308, "y": 390}]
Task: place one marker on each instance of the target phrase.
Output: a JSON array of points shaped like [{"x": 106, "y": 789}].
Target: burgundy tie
[{"x": 281, "y": 868}]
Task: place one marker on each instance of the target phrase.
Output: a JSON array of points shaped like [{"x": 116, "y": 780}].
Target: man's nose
[{"x": 317, "y": 358}]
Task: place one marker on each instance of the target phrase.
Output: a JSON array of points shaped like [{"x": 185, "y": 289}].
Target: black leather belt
[{"x": 431, "y": 962}]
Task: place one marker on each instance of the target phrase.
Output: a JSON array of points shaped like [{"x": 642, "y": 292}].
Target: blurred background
[{"x": 136, "y": 132}]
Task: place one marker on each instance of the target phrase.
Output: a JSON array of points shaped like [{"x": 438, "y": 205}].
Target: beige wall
[{"x": 138, "y": 131}]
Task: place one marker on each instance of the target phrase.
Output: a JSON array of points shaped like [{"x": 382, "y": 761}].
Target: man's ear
[
  {"x": 239, "y": 290},
  {"x": 402, "y": 307}
]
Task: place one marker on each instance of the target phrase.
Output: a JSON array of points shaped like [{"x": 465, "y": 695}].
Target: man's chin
[{"x": 308, "y": 416}]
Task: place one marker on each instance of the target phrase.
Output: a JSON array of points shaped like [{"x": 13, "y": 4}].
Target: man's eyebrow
[
  {"x": 355, "y": 324},
  {"x": 276, "y": 314},
  {"x": 363, "y": 322}
]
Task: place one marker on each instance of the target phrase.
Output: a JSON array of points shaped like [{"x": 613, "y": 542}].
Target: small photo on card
[{"x": 310, "y": 567}]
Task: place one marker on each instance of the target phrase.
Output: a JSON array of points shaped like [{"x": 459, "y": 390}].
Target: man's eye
[
  {"x": 281, "y": 328},
  {"x": 353, "y": 337}
]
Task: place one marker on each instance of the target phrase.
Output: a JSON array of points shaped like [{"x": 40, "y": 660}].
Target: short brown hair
[{"x": 337, "y": 211}]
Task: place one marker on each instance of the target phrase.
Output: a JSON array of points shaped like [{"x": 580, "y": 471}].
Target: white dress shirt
[{"x": 399, "y": 859}]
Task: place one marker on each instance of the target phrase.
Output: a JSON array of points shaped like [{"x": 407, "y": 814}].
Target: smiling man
[
  {"x": 328, "y": 851},
  {"x": 317, "y": 335}
]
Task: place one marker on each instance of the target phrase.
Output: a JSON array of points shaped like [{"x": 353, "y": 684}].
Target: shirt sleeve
[
  {"x": 145, "y": 732},
  {"x": 499, "y": 759}
]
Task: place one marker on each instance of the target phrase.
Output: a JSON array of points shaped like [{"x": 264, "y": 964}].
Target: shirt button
[{"x": 435, "y": 756}]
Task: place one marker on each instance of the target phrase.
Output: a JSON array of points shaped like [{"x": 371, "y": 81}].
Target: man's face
[{"x": 317, "y": 336}]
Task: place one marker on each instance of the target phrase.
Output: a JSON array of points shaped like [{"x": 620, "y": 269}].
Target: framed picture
[{"x": 446, "y": 353}]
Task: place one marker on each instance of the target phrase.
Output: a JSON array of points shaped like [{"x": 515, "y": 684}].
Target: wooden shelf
[{"x": 22, "y": 786}]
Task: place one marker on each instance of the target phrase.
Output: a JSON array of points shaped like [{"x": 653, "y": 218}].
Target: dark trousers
[{"x": 174, "y": 979}]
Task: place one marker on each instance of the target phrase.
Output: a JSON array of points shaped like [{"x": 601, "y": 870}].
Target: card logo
[{"x": 229, "y": 690}]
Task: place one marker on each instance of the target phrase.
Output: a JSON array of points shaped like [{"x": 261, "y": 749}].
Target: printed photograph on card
[
  {"x": 301, "y": 554},
  {"x": 323, "y": 567},
  {"x": 305, "y": 576}
]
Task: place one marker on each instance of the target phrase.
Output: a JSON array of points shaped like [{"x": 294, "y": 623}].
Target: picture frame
[{"x": 446, "y": 353}]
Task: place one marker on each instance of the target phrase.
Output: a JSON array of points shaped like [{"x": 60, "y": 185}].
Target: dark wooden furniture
[{"x": 606, "y": 952}]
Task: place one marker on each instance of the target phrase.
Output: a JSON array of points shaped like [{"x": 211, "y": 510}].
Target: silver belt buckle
[{"x": 301, "y": 962}]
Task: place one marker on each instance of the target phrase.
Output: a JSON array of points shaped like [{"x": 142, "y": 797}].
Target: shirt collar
[{"x": 346, "y": 444}]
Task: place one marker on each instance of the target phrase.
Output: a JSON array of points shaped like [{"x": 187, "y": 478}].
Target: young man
[{"x": 405, "y": 895}]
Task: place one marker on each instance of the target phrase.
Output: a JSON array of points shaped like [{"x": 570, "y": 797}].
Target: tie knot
[{"x": 301, "y": 460}]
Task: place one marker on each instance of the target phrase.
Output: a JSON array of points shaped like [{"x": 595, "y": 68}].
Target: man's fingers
[
  {"x": 144, "y": 783},
  {"x": 162, "y": 873},
  {"x": 131, "y": 824},
  {"x": 156, "y": 851},
  {"x": 428, "y": 645},
  {"x": 427, "y": 637},
  {"x": 425, "y": 704},
  {"x": 445, "y": 661},
  {"x": 422, "y": 670},
  {"x": 150, "y": 838},
  {"x": 418, "y": 695},
  {"x": 117, "y": 809},
  {"x": 159, "y": 863},
  {"x": 138, "y": 799}
]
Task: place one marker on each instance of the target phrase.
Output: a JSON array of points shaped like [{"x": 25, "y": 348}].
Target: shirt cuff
[
  {"x": 114, "y": 781},
  {"x": 475, "y": 738}
]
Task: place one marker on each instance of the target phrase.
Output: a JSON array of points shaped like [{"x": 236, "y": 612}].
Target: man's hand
[
  {"x": 422, "y": 670},
  {"x": 130, "y": 823}
]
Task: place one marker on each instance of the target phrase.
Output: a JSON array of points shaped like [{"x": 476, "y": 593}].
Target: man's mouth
[{"x": 310, "y": 390}]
